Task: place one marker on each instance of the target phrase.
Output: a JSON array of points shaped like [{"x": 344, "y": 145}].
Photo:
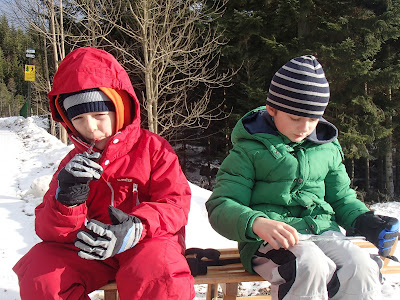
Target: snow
[{"x": 28, "y": 158}]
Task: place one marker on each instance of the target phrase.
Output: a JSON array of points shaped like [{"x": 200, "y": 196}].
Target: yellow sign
[{"x": 29, "y": 72}]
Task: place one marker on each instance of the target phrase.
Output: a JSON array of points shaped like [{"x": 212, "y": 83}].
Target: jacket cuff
[
  {"x": 249, "y": 229},
  {"x": 70, "y": 210}
]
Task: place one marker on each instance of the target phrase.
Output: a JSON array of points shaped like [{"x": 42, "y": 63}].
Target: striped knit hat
[
  {"x": 91, "y": 100},
  {"x": 300, "y": 88}
]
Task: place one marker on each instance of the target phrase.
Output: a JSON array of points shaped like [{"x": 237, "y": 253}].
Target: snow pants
[
  {"x": 319, "y": 270},
  {"x": 153, "y": 269}
]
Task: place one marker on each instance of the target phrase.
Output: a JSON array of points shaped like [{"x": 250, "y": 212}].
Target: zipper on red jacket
[
  {"x": 112, "y": 193},
  {"x": 135, "y": 190}
]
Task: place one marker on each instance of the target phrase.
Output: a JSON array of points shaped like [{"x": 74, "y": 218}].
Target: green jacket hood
[{"x": 258, "y": 122}]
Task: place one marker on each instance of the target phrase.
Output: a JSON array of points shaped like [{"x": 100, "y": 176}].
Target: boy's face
[
  {"x": 295, "y": 128},
  {"x": 96, "y": 127}
]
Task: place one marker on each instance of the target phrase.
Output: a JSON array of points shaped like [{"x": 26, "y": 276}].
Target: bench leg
[
  {"x": 212, "y": 291},
  {"x": 111, "y": 295},
  {"x": 230, "y": 290}
]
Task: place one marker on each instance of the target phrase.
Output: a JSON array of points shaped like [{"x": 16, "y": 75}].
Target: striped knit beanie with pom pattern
[{"x": 300, "y": 88}]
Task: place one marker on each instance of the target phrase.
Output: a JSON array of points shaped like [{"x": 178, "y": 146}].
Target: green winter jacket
[{"x": 266, "y": 175}]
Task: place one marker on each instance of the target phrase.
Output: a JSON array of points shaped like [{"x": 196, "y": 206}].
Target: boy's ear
[{"x": 271, "y": 110}]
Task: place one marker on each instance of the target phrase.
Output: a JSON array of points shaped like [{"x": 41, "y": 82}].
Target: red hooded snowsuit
[{"x": 141, "y": 176}]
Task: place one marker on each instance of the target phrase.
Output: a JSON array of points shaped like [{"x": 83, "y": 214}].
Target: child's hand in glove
[
  {"x": 103, "y": 241},
  {"x": 74, "y": 178},
  {"x": 379, "y": 230}
]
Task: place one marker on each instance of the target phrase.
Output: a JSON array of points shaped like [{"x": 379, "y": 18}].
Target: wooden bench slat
[
  {"x": 237, "y": 266},
  {"x": 391, "y": 270},
  {"x": 261, "y": 297},
  {"x": 249, "y": 298},
  {"x": 228, "y": 278},
  {"x": 110, "y": 286}
]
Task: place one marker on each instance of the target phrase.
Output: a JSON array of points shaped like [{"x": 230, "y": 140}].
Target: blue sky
[
  {"x": 3, "y": 6},
  {"x": 4, "y": 9}
]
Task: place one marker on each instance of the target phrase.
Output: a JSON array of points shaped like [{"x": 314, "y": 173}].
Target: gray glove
[
  {"x": 74, "y": 178},
  {"x": 103, "y": 241}
]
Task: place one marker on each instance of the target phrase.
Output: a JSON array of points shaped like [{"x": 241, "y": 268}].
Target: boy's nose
[
  {"x": 304, "y": 126},
  {"x": 91, "y": 124}
]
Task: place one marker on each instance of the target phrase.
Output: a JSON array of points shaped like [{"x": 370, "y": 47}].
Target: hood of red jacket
[{"x": 87, "y": 68}]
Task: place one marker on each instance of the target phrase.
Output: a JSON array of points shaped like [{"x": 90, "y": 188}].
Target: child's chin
[{"x": 297, "y": 139}]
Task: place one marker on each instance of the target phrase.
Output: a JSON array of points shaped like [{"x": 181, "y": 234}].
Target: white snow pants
[{"x": 319, "y": 270}]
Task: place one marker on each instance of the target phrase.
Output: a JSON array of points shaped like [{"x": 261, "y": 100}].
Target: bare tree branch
[
  {"x": 169, "y": 46},
  {"x": 179, "y": 51}
]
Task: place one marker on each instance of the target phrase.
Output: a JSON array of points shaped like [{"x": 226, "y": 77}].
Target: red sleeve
[
  {"x": 54, "y": 221},
  {"x": 167, "y": 211}
]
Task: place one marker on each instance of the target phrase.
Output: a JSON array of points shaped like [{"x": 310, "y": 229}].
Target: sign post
[
  {"x": 29, "y": 72},
  {"x": 29, "y": 76}
]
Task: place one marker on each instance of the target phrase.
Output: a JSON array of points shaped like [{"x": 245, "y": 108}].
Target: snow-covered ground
[{"x": 28, "y": 158}]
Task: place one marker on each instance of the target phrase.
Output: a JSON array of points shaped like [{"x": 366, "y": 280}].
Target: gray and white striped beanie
[
  {"x": 86, "y": 101},
  {"x": 300, "y": 88}
]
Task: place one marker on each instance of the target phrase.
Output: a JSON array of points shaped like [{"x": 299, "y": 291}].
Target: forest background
[{"x": 198, "y": 66}]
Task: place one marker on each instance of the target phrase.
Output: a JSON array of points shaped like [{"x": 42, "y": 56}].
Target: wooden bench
[{"x": 229, "y": 277}]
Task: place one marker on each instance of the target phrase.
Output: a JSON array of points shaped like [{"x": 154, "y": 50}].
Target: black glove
[
  {"x": 379, "y": 230},
  {"x": 74, "y": 178},
  {"x": 103, "y": 241}
]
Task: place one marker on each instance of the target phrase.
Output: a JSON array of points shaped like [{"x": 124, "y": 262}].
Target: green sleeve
[
  {"x": 340, "y": 196},
  {"x": 229, "y": 205}
]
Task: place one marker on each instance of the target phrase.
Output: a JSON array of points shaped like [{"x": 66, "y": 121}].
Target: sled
[{"x": 229, "y": 276}]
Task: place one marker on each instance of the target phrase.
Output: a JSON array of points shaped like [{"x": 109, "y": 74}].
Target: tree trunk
[
  {"x": 209, "y": 178},
  {"x": 227, "y": 129},
  {"x": 62, "y": 132},
  {"x": 367, "y": 180},
  {"x": 389, "y": 185},
  {"x": 367, "y": 177},
  {"x": 150, "y": 101},
  {"x": 62, "y": 30},
  {"x": 53, "y": 35},
  {"x": 48, "y": 84},
  {"x": 92, "y": 28},
  {"x": 302, "y": 26},
  {"x": 184, "y": 157},
  {"x": 380, "y": 179}
]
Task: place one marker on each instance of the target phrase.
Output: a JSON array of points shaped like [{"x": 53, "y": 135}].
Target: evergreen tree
[
  {"x": 347, "y": 37},
  {"x": 2, "y": 66},
  {"x": 387, "y": 81}
]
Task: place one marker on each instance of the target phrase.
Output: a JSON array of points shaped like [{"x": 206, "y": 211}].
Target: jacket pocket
[{"x": 125, "y": 193}]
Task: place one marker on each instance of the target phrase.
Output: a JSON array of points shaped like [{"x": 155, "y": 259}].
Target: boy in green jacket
[{"x": 283, "y": 192}]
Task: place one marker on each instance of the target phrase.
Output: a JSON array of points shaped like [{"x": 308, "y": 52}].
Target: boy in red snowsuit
[{"x": 117, "y": 207}]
